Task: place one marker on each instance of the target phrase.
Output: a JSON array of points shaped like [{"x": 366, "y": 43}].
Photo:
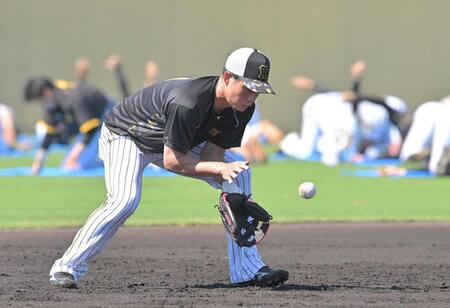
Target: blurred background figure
[
  {"x": 328, "y": 124},
  {"x": 377, "y": 132},
  {"x": 379, "y": 120},
  {"x": 114, "y": 63},
  {"x": 428, "y": 139},
  {"x": 328, "y": 130},
  {"x": 7, "y": 129},
  {"x": 8, "y": 132},
  {"x": 81, "y": 69},
  {"x": 258, "y": 133},
  {"x": 151, "y": 72},
  {"x": 82, "y": 105},
  {"x": 308, "y": 84}
]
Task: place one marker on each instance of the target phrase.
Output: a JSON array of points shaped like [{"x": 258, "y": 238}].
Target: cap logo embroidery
[{"x": 263, "y": 72}]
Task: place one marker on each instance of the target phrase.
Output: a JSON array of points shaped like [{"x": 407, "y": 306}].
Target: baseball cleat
[
  {"x": 63, "y": 280},
  {"x": 266, "y": 277}
]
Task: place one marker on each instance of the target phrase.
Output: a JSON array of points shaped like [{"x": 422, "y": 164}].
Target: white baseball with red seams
[{"x": 307, "y": 190}]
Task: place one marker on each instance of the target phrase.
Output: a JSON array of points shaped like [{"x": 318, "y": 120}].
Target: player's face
[{"x": 238, "y": 96}]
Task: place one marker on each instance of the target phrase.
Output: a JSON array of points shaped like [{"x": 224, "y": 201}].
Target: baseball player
[
  {"x": 328, "y": 125},
  {"x": 379, "y": 120},
  {"x": 328, "y": 128},
  {"x": 114, "y": 63},
  {"x": 429, "y": 134},
  {"x": 7, "y": 129},
  {"x": 184, "y": 126},
  {"x": 82, "y": 106},
  {"x": 374, "y": 132}
]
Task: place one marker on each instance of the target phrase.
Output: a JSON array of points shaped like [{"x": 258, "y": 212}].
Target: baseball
[{"x": 307, "y": 190}]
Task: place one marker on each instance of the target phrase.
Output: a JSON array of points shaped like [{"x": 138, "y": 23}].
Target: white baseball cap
[{"x": 252, "y": 67}]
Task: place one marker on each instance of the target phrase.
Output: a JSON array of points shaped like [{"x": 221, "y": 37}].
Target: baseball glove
[{"x": 245, "y": 221}]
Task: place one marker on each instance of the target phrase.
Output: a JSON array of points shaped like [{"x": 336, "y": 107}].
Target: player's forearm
[
  {"x": 41, "y": 153},
  {"x": 188, "y": 165},
  {"x": 356, "y": 85},
  {"x": 210, "y": 162},
  {"x": 76, "y": 151},
  {"x": 123, "y": 84},
  {"x": 38, "y": 161}
]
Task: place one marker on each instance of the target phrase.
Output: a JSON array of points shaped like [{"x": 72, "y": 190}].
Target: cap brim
[{"x": 257, "y": 86}]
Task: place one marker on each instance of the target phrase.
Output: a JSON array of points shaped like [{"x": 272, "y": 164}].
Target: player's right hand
[{"x": 230, "y": 171}]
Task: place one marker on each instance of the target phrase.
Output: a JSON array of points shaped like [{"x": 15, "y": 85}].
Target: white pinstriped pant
[{"x": 124, "y": 164}]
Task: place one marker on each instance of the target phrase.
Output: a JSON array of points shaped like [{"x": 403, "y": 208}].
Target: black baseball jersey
[
  {"x": 88, "y": 106},
  {"x": 81, "y": 107},
  {"x": 177, "y": 113},
  {"x": 57, "y": 113},
  {"x": 58, "y": 121}
]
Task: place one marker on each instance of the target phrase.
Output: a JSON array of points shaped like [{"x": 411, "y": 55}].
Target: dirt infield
[{"x": 379, "y": 264}]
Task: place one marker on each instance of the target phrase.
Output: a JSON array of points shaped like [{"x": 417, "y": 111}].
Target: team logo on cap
[{"x": 263, "y": 72}]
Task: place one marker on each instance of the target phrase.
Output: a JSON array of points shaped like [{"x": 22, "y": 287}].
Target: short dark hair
[{"x": 34, "y": 87}]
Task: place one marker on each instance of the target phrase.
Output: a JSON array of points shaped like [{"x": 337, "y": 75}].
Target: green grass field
[{"x": 67, "y": 201}]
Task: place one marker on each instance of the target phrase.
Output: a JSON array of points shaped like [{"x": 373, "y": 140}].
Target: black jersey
[
  {"x": 82, "y": 105},
  {"x": 57, "y": 113},
  {"x": 180, "y": 114},
  {"x": 78, "y": 109},
  {"x": 88, "y": 106}
]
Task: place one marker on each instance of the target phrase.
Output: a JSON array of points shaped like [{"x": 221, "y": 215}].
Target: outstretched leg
[{"x": 124, "y": 163}]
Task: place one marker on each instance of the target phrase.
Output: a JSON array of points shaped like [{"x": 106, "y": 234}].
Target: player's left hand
[{"x": 245, "y": 221}]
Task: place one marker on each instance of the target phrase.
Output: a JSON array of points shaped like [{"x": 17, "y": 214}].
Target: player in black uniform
[
  {"x": 185, "y": 126},
  {"x": 82, "y": 106}
]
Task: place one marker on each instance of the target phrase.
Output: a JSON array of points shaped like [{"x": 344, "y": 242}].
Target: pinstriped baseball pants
[{"x": 124, "y": 164}]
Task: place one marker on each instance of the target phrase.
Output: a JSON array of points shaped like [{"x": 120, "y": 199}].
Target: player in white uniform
[
  {"x": 370, "y": 133},
  {"x": 328, "y": 128},
  {"x": 184, "y": 126},
  {"x": 429, "y": 133},
  {"x": 7, "y": 129},
  {"x": 379, "y": 136}
]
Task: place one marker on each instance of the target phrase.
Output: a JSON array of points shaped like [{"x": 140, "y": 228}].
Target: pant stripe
[
  {"x": 104, "y": 231},
  {"x": 252, "y": 259},
  {"x": 85, "y": 231},
  {"x": 246, "y": 262},
  {"x": 115, "y": 148},
  {"x": 103, "y": 140},
  {"x": 237, "y": 266},
  {"x": 109, "y": 229},
  {"x": 231, "y": 260},
  {"x": 116, "y": 225}
]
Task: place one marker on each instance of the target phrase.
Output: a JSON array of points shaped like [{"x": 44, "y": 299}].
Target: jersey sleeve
[{"x": 180, "y": 127}]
